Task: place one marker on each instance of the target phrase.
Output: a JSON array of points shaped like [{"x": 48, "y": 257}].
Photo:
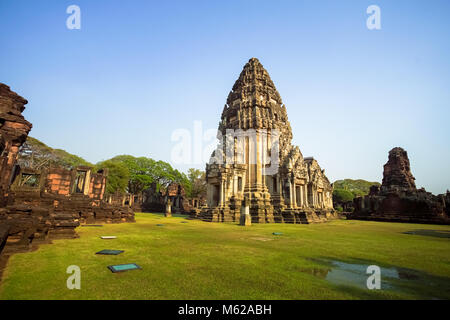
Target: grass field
[{"x": 200, "y": 260}]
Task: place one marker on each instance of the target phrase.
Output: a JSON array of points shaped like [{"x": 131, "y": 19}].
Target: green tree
[
  {"x": 139, "y": 170},
  {"x": 118, "y": 175},
  {"x": 357, "y": 187},
  {"x": 197, "y": 183},
  {"x": 144, "y": 171},
  {"x": 342, "y": 195},
  {"x": 37, "y": 155}
]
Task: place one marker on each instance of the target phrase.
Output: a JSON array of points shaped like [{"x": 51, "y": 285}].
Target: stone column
[
  {"x": 279, "y": 185},
  {"x": 314, "y": 197},
  {"x": 306, "y": 196},
  {"x": 221, "y": 194},
  {"x": 291, "y": 198},
  {"x": 168, "y": 208},
  {"x": 301, "y": 196},
  {"x": 246, "y": 219},
  {"x": 294, "y": 190},
  {"x": 224, "y": 192},
  {"x": 258, "y": 146}
]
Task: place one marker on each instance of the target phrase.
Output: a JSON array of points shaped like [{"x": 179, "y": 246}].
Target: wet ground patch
[{"x": 407, "y": 283}]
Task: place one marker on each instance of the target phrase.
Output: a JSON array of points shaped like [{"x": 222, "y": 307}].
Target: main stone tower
[{"x": 256, "y": 160}]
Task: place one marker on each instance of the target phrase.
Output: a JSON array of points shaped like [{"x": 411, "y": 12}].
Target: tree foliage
[
  {"x": 357, "y": 187},
  {"x": 348, "y": 189},
  {"x": 36, "y": 155},
  {"x": 342, "y": 195},
  {"x": 197, "y": 183},
  {"x": 126, "y": 173},
  {"x": 118, "y": 176},
  {"x": 144, "y": 171}
]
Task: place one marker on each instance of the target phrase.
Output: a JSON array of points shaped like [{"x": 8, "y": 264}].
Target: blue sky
[{"x": 138, "y": 70}]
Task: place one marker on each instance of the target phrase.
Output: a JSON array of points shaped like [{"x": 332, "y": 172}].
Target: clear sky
[{"x": 138, "y": 70}]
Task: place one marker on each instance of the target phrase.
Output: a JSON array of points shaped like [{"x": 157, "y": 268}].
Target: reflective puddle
[{"x": 415, "y": 284}]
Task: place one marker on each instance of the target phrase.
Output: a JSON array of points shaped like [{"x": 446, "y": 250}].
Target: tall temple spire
[
  {"x": 256, "y": 162},
  {"x": 254, "y": 82},
  {"x": 254, "y": 103}
]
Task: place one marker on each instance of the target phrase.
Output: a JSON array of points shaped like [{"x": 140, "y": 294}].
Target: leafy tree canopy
[
  {"x": 144, "y": 171},
  {"x": 357, "y": 187},
  {"x": 197, "y": 182},
  {"x": 36, "y": 154},
  {"x": 118, "y": 176},
  {"x": 341, "y": 195},
  {"x": 126, "y": 173},
  {"x": 348, "y": 189}
]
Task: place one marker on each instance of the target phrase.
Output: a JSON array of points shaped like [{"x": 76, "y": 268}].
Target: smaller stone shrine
[{"x": 398, "y": 199}]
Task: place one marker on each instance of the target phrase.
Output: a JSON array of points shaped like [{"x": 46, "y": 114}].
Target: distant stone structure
[
  {"x": 156, "y": 201},
  {"x": 290, "y": 189},
  {"x": 177, "y": 196},
  {"x": 398, "y": 199},
  {"x": 397, "y": 172}
]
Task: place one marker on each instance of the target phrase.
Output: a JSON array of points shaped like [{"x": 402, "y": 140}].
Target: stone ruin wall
[
  {"x": 398, "y": 199},
  {"x": 51, "y": 209},
  {"x": 14, "y": 131},
  {"x": 155, "y": 201},
  {"x": 44, "y": 204}
]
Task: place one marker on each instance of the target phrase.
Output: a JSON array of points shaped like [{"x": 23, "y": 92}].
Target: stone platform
[{"x": 294, "y": 216}]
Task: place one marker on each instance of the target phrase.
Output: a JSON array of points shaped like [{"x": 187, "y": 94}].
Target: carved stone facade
[
  {"x": 256, "y": 160},
  {"x": 398, "y": 199}
]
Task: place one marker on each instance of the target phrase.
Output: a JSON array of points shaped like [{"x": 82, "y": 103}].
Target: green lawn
[{"x": 200, "y": 260}]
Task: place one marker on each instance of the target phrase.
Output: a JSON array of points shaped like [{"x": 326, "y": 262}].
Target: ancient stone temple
[
  {"x": 256, "y": 160},
  {"x": 398, "y": 199}
]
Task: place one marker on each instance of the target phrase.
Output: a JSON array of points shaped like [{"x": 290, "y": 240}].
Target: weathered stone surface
[
  {"x": 156, "y": 201},
  {"x": 398, "y": 199},
  {"x": 397, "y": 172},
  {"x": 246, "y": 219},
  {"x": 4, "y": 233},
  {"x": 168, "y": 212},
  {"x": 252, "y": 118},
  {"x": 14, "y": 130}
]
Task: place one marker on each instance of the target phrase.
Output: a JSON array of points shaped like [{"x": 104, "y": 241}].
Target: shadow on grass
[
  {"x": 430, "y": 233},
  {"x": 161, "y": 215}
]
